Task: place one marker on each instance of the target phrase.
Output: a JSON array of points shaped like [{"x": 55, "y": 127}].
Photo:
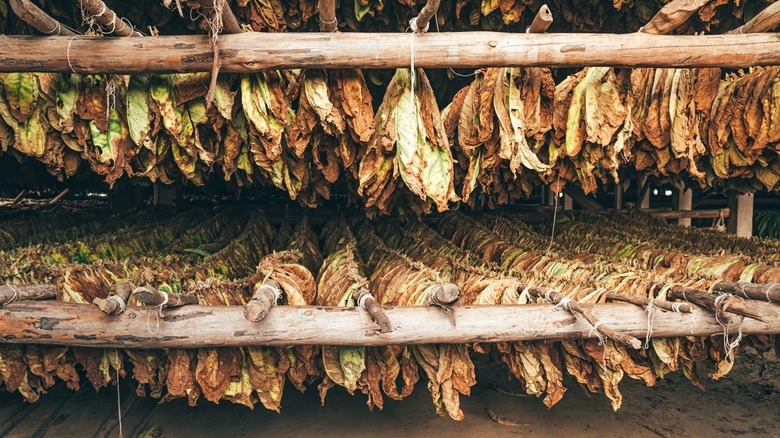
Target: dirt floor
[{"x": 743, "y": 403}]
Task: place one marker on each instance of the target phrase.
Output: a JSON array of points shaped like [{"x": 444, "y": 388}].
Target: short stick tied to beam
[
  {"x": 158, "y": 315},
  {"x": 15, "y": 296}
]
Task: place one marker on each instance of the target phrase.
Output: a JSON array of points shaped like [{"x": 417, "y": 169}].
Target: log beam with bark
[
  {"x": 15, "y": 292},
  {"x": 254, "y": 51},
  {"x": 109, "y": 21},
  {"x": 31, "y": 14},
  {"x": 57, "y": 323}
]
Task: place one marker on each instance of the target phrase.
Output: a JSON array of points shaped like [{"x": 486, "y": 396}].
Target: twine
[
  {"x": 17, "y": 294},
  {"x": 594, "y": 330},
  {"x": 118, "y": 400},
  {"x": 158, "y": 314},
  {"x": 651, "y": 310},
  {"x": 68, "y": 55},
  {"x": 768, "y": 300},
  {"x": 328, "y": 23},
  {"x": 120, "y": 302},
  {"x": 361, "y": 305},
  {"x": 416, "y": 29},
  {"x": 57, "y": 27},
  {"x": 276, "y": 291}
]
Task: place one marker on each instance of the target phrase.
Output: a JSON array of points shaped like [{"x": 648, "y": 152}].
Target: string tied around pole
[{"x": 158, "y": 315}]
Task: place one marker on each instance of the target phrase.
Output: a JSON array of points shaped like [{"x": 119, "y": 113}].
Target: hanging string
[
  {"x": 460, "y": 75},
  {"x": 158, "y": 315},
  {"x": 361, "y": 305},
  {"x": 555, "y": 215},
  {"x": 110, "y": 95},
  {"x": 594, "y": 330},
  {"x": 769, "y": 300},
  {"x": 118, "y": 400},
  {"x": 67, "y": 53},
  {"x": 275, "y": 290},
  {"x": 651, "y": 310}
]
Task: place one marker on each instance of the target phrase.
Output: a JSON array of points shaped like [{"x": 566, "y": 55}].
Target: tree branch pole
[
  {"x": 18, "y": 198},
  {"x": 327, "y": 15},
  {"x": 35, "y": 17},
  {"x": 542, "y": 21},
  {"x": 727, "y": 306},
  {"x": 57, "y": 198},
  {"x": 69, "y": 324},
  {"x": 255, "y": 51},
  {"x": 765, "y": 21},
  {"x": 15, "y": 292},
  {"x": 769, "y": 292},
  {"x": 597, "y": 326},
  {"x": 366, "y": 301},
  {"x": 229, "y": 21},
  {"x": 672, "y": 16},
  {"x": 425, "y": 16},
  {"x": 645, "y": 302},
  {"x": 108, "y": 18},
  {"x": 116, "y": 303},
  {"x": 263, "y": 298},
  {"x": 446, "y": 296},
  {"x": 153, "y": 297}
]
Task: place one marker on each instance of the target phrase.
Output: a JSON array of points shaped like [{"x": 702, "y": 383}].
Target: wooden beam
[
  {"x": 741, "y": 217},
  {"x": 587, "y": 202},
  {"x": 643, "y": 198},
  {"x": 689, "y": 214},
  {"x": 57, "y": 323},
  {"x": 255, "y": 51}
]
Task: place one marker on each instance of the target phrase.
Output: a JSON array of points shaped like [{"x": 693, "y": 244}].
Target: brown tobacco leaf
[
  {"x": 180, "y": 378},
  {"x": 212, "y": 373}
]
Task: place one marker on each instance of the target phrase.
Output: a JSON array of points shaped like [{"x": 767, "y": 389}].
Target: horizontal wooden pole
[
  {"x": 693, "y": 214},
  {"x": 254, "y": 51},
  {"x": 206, "y": 326}
]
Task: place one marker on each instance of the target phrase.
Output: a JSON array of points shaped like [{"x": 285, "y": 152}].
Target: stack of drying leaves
[{"x": 494, "y": 260}]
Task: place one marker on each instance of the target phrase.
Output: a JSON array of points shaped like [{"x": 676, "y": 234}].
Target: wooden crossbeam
[
  {"x": 252, "y": 51},
  {"x": 57, "y": 323}
]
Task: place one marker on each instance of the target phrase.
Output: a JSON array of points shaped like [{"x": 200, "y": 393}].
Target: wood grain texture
[
  {"x": 208, "y": 326},
  {"x": 251, "y": 52}
]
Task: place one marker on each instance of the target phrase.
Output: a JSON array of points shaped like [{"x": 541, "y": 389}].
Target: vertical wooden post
[
  {"x": 618, "y": 197},
  {"x": 166, "y": 194},
  {"x": 550, "y": 197},
  {"x": 644, "y": 192},
  {"x": 685, "y": 202},
  {"x": 741, "y": 219},
  {"x": 568, "y": 203}
]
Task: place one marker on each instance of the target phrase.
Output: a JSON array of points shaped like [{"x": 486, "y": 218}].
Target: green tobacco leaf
[
  {"x": 21, "y": 92},
  {"x": 139, "y": 118}
]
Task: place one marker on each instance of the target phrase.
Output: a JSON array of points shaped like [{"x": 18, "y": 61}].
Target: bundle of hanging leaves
[{"x": 223, "y": 258}]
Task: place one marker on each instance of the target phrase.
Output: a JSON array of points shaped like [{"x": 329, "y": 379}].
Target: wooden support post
[
  {"x": 741, "y": 217},
  {"x": 643, "y": 199},
  {"x": 618, "y": 197},
  {"x": 248, "y": 52},
  {"x": 551, "y": 197},
  {"x": 71, "y": 324},
  {"x": 165, "y": 195},
  {"x": 567, "y": 202},
  {"x": 684, "y": 203}
]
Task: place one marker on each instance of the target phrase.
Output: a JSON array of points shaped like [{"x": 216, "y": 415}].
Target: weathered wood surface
[
  {"x": 15, "y": 292},
  {"x": 207, "y": 326},
  {"x": 253, "y": 51},
  {"x": 691, "y": 214}
]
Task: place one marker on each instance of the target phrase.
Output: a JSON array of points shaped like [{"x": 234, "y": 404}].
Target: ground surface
[{"x": 744, "y": 403}]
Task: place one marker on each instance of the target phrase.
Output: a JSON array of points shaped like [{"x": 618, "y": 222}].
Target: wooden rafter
[{"x": 250, "y": 51}]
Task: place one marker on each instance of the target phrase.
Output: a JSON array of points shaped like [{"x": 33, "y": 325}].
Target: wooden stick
[
  {"x": 598, "y": 326},
  {"x": 117, "y": 303},
  {"x": 765, "y": 21},
  {"x": 694, "y": 214},
  {"x": 108, "y": 18},
  {"x": 769, "y": 292},
  {"x": 71, "y": 324},
  {"x": 581, "y": 198},
  {"x": 672, "y": 16},
  {"x": 35, "y": 17},
  {"x": 364, "y": 298},
  {"x": 229, "y": 22},
  {"x": 18, "y": 198},
  {"x": 327, "y": 15},
  {"x": 644, "y": 302},
  {"x": 57, "y": 198},
  {"x": 153, "y": 297},
  {"x": 446, "y": 295},
  {"x": 255, "y": 51},
  {"x": 542, "y": 21},
  {"x": 725, "y": 305},
  {"x": 426, "y": 14},
  {"x": 15, "y": 292},
  {"x": 262, "y": 300}
]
